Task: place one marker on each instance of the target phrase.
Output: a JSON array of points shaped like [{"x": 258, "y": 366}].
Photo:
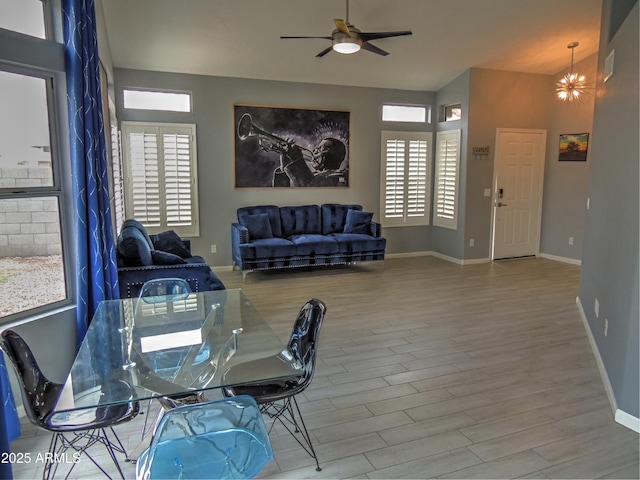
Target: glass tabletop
[{"x": 171, "y": 346}]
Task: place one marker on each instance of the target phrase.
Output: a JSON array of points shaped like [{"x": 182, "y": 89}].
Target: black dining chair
[
  {"x": 277, "y": 398},
  {"x": 74, "y": 431}
]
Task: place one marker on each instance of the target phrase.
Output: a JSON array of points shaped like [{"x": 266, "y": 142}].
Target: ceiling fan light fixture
[{"x": 345, "y": 44}]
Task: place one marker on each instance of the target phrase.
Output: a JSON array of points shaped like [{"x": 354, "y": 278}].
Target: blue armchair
[{"x": 142, "y": 257}]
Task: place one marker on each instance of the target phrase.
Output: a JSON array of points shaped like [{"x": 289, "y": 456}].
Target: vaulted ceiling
[{"x": 241, "y": 38}]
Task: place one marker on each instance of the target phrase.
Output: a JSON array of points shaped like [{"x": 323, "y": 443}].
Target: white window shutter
[
  {"x": 406, "y": 178},
  {"x": 447, "y": 179},
  {"x": 145, "y": 178},
  {"x": 417, "y": 179},
  {"x": 177, "y": 175},
  {"x": 394, "y": 179},
  {"x": 160, "y": 181}
]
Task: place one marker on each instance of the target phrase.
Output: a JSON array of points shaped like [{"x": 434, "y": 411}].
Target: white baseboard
[
  {"x": 476, "y": 261},
  {"x": 626, "y": 420},
  {"x": 442, "y": 256},
  {"x": 408, "y": 255},
  {"x": 572, "y": 261},
  {"x": 621, "y": 417}
]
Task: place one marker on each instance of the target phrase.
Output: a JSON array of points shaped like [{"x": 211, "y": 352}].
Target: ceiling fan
[{"x": 348, "y": 39}]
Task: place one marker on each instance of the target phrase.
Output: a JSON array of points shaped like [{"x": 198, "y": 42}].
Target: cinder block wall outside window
[{"x": 28, "y": 226}]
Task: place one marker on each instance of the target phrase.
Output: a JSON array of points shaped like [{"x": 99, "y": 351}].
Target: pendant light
[{"x": 571, "y": 85}]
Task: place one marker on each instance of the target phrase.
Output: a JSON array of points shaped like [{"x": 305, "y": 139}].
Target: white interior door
[{"x": 518, "y": 181}]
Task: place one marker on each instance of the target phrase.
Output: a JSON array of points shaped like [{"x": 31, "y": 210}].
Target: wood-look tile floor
[{"x": 428, "y": 369}]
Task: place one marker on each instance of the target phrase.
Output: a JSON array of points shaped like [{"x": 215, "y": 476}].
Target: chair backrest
[
  {"x": 303, "y": 343},
  {"x": 161, "y": 290},
  {"x": 39, "y": 394},
  {"x": 219, "y": 439}
]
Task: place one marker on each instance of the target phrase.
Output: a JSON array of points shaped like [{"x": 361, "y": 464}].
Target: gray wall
[
  {"x": 498, "y": 100},
  {"x": 213, "y": 100},
  {"x": 610, "y": 258},
  {"x": 445, "y": 240},
  {"x": 564, "y": 203}
]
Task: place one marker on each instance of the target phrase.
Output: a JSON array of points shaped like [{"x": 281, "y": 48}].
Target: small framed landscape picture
[{"x": 573, "y": 147}]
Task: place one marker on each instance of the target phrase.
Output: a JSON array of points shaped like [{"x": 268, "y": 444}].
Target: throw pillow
[
  {"x": 258, "y": 225},
  {"x": 170, "y": 242},
  {"x": 357, "y": 222},
  {"x": 133, "y": 248},
  {"x": 165, "y": 258}
]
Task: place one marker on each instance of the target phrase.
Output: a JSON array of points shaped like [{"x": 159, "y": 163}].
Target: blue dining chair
[
  {"x": 220, "y": 439},
  {"x": 155, "y": 299}
]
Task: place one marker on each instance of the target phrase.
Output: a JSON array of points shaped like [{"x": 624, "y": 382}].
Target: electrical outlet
[
  {"x": 214, "y": 249},
  {"x": 596, "y": 308},
  {"x": 606, "y": 327},
  {"x": 472, "y": 242},
  {"x": 570, "y": 240}
]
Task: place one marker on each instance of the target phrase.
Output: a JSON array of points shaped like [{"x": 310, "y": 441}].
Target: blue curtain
[
  {"x": 9, "y": 421},
  {"x": 95, "y": 260}
]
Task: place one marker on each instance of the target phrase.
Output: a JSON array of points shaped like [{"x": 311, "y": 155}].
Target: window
[
  {"x": 406, "y": 178},
  {"x": 160, "y": 187},
  {"x": 406, "y": 113},
  {"x": 32, "y": 273},
  {"x": 23, "y": 16},
  {"x": 447, "y": 177},
  {"x": 452, "y": 112},
  {"x": 157, "y": 100}
]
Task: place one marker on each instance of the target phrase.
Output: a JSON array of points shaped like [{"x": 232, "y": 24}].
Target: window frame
[
  {"x": 159, "y": 128},
  {"x": 158, "y": 107},
  {"x": 405, "y": 219},
  {"x": 44, "y": 58},
  {"x": 439, "y": 219},
  {"x": 426, "y": 109}
]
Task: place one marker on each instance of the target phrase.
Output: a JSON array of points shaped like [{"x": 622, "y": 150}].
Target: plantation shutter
[
  {"x": 406, "y": 160},
  {"x": 447, "y": 178},
  {"x": 417, "y": 179},
  {"x": 394, "y": 179},
  {"x": 160, "y": 185},
  {"x": 177, "y": 175}
]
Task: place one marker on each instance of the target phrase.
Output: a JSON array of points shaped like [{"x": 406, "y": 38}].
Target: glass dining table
[{"x": 167, "y": 346}]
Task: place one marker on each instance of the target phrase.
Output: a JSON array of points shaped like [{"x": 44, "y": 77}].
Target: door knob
[{"x": 500, "y": 204}]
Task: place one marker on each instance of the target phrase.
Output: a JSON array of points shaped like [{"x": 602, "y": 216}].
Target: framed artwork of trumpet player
[{"x": 290, "y": 147}]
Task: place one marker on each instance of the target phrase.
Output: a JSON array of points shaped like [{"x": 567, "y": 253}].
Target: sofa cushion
[
  {"x": 165, "y": 258},
  {"x": 274, "y": 216},
  {"x": 357, "y": 222},
  {"x": 257, "y": 224},
  {"x": 334, "y": 217},
  {"x": 170, "y": 242},
  {"x": 314, "y": 244},
  {"x": 349, "y": 243},
  {"x": 133, "y": 246},
  {"x": 267, "y": 248},
  {"x": 300, "y": 220}
]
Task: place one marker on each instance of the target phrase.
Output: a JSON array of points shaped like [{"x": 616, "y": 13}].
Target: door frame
[{"x": 494, "y": 197}]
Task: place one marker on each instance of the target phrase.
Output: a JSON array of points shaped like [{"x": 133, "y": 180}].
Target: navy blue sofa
[
  {"x": 271, "y": 237},
  {"x": 142, "y": 257}
]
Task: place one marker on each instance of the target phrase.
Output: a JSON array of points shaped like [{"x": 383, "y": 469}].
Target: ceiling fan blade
[
  {"x": 324, "y": 52},
  {"x": 366, "y": 36},
  {"x": 341, "y": 25},
  {"x": 374, "y": 49},
  {"x": 325, "y": 38}
]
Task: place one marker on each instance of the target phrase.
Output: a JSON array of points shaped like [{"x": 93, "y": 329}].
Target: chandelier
[{"x": 571, "y": 85}]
